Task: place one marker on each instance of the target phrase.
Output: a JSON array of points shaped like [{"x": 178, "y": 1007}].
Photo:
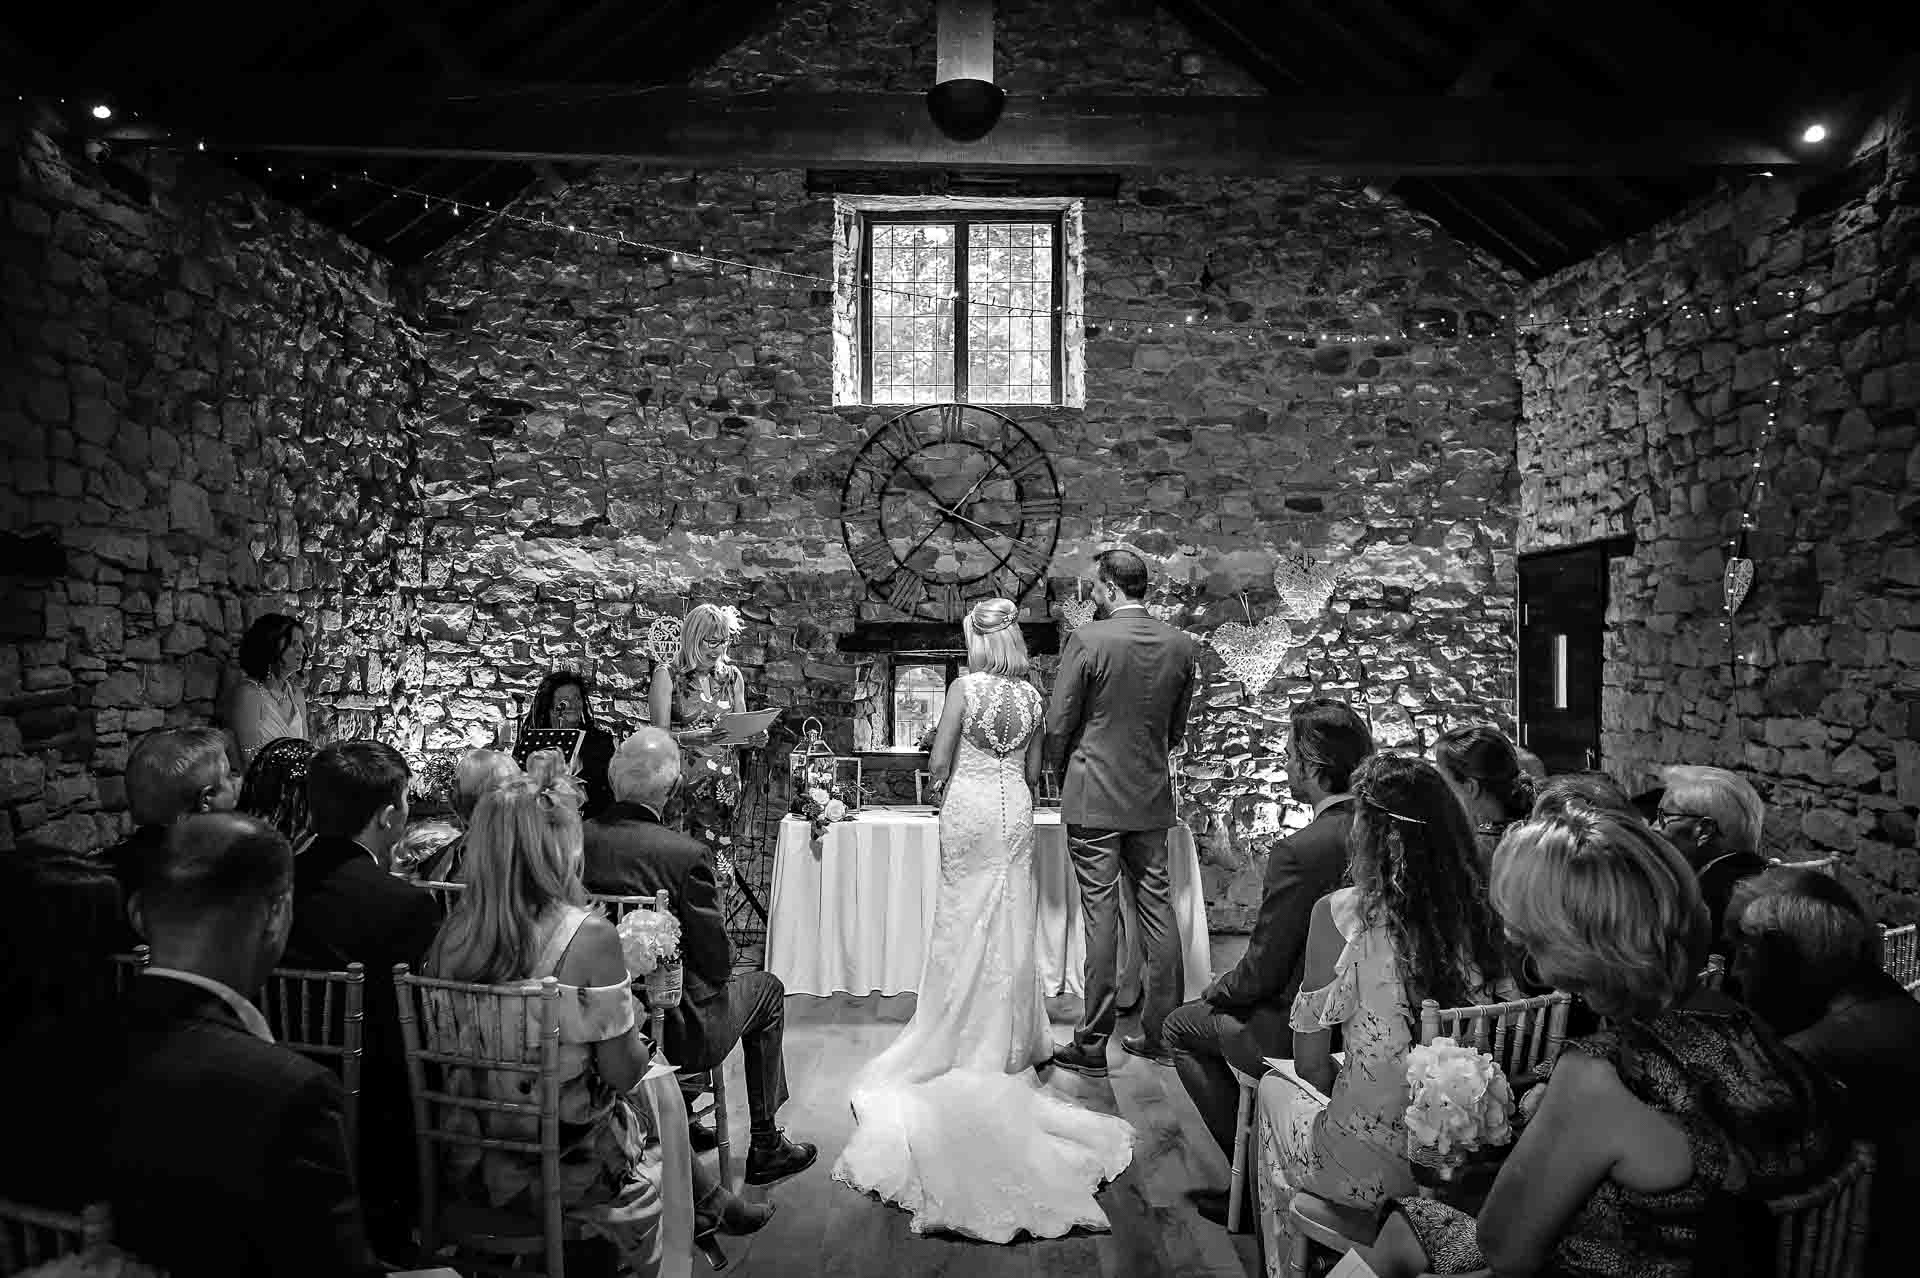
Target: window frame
[
  {"x": 963, "y": 219},
  {"x": 955, "y": 663}
]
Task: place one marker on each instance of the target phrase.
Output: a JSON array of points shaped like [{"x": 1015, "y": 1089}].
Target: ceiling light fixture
[
  {"x": 101, "y": 111},
  {"x": 1815, "y": 133}
]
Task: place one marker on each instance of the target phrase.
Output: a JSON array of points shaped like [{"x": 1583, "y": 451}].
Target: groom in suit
[{"x": 1119, "y": 709}]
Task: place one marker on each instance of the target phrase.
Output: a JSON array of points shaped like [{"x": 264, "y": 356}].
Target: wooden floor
[{"x": 825, "y": 1228}]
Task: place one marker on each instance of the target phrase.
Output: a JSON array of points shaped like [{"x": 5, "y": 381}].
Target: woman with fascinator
[
  {"x": 687, "y": 697},
  {"x": 1414, "y": 925},
  {"x": 954, "y": 1124},
  {"x": 275, "y": 788}
]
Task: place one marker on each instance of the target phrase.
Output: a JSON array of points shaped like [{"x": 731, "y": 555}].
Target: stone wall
[
  {"x": 204, "y": 406},
  {"x": 613, "y": 431},
  {"x": 1651, "y": 422}
]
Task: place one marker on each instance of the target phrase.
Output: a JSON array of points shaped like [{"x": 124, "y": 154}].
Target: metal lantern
[{"x": 814, "y": 766}]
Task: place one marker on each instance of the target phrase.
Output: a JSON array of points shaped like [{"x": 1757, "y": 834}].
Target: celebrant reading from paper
[{"x": 701, "y": 698}]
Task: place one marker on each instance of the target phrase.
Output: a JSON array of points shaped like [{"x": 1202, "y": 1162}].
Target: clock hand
[
  {"x": 924, "y": 486},
  {"x": 957, "y": 517}
]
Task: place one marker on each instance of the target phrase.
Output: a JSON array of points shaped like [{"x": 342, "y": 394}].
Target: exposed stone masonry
[{"x": 1651, "y": 426}]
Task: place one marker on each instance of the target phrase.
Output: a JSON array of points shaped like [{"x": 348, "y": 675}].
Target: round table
[{"x": 852, "y": 913}]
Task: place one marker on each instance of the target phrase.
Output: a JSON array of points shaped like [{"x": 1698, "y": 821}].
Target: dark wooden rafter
[
  {"x": 1325, "y": 135},
  {"x": 1358, "y": 48},
  {"x": 1233, "y": 34},
  {"x": 1486, "y": 194},
  {"x": 1470, "y": 223}
]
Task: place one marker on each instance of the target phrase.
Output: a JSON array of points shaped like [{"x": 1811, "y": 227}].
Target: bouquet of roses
[
  {"x": 1459, "y": 1103},
  {"x": 649, "y": 938},
  {"x": 821, "y": 804}
]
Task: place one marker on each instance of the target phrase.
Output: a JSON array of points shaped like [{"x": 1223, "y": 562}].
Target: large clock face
[{"x": 948, "y": 504}]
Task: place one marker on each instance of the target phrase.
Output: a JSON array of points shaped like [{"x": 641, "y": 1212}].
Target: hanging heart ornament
[
  {"x": 1305, "y": 584},
  {"x": 1252, "y": 654},
  {"x": 663, "y": 639},
  {"x": 1075, "y": 613},
  {"x": 1737, "y": 582}
]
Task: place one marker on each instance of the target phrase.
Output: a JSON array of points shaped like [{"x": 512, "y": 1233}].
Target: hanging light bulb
[{"x": 101, "y": 111}]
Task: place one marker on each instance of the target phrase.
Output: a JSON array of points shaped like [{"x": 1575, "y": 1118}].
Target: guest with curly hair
[
  {"x": 275, "y": 789},
  {"x": 1482, "y": 766},
  {"x": 563, "y": 701},
  {"x": 1647, "y": 1126},
  {"x": 1414, "y": 925}
]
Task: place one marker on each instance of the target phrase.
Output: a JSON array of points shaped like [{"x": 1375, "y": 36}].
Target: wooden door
[{"x": 1563, "y": 620}]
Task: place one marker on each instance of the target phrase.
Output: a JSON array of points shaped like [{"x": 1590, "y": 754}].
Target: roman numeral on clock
[
  {"x": 874, "y": 559},
  {"x": 1040, "y": 507},
  {"x": 952, "y": 422},
  {"x": 906, "y": 592},
  {"x": 951, "y": 605}
]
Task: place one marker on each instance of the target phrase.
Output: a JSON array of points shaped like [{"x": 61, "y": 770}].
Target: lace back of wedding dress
[{"x": 1002, "y": 714}]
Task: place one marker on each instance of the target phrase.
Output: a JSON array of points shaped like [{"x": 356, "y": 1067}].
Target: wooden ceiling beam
[{"x": 1389, "y": 136}]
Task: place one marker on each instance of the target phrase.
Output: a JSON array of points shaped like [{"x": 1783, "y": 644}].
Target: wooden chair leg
[
  {"x": 1242, "y": 1140},
  {"x": 1299, "y": 1253},
  {"x": 730, "y": 1122}
]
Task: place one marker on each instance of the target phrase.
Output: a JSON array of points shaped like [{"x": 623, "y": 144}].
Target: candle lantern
[{"x": 814, "y": 766}]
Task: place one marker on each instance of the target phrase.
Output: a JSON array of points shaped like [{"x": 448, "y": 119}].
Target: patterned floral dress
[
  {"x": 1743, "y": 1100},
  {"x": 710, "y": 772},
  {"x": 1351, "y": 1148}
]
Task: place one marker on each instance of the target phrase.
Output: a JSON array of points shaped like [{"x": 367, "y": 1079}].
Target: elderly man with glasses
[{"x": 1713, "y": 818}]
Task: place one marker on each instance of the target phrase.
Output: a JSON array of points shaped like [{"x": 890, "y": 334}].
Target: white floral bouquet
[
  {"x": 1459, "y": 1104},
  {"x": 821, "y": 803},
  {"x": 649, "y": 938}
]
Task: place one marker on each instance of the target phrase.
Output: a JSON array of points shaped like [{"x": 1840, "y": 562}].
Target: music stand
[{"x": 566, "y": 740}]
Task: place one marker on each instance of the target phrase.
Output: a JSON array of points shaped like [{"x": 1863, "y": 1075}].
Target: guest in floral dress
[
  {"x": 687, "y": 698},
  {"x": 1649, "y": 1128},
  {"x": 1415, "y": 925},
  {"x": 523, "y": 917}
]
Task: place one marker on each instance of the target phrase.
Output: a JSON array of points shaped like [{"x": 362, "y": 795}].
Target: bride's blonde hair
[{"x": 994, "y": 642}]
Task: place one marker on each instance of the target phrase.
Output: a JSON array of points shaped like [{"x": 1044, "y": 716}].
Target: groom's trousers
[{"x": 1100, "y": 857}]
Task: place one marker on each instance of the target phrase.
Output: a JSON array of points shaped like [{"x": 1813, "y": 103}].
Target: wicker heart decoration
[
  {"x": 1305, "y": 584},
  {"x": 663, "y": 639},
  {"x": 1737, "y": 582},
  {"x": 1075, "y": 613},
  {"x": 1253, "y": 653}
]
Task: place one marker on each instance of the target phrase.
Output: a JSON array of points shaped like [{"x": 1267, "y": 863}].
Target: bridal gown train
[{"x": 952, "y": 1122}]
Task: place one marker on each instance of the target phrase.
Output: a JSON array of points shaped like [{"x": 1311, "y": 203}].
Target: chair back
[
  {"x": 1828, "y": 865},
  {"x": 483, "y": 1073},
  {"x": 617, "y": 908},
  {"x": 127, "y": 967},
  {"x": 1822, "y": 1233},
  {"x": 321, "y": 1016},
  {"x": 1900, "y": 955},
  {"x": 31, "y": 1236},
  {"x": 1518, "y": 1035},
  {"x": 443, "y": 892}
]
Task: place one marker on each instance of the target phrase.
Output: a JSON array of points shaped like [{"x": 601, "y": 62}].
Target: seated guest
[
  {"x": 562, "y": 702},
  {"x": 216, "y": 1150},
  {"x": 1415, "y": 925},
  {"x": 1646, "y": 1126},
  {"x": 348, "y": 908},
  {"x": 269, "y": 701},
  {"x": 1713, "y": 817},
  {"x": 1480, "y": 763},
  {"x": 275, "y": 789},
  {"x": 1553, "y": 796},
  {"x": 474, "y": 773},
  {"x": 1243, "y": 1016},
  {"x": 630, "y": 852},
  {"x": 172, "y": 773},
  {"x": 1807, "y": 959},
  {"x": 524, "y": 917},
  {"x": 61, "y": 922}
]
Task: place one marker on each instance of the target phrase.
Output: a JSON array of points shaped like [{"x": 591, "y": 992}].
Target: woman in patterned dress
[
  {"x": 1656, "y": 1137},
  {"x": 1415, "y": 925},
  {"x": 687, "y": 698}
]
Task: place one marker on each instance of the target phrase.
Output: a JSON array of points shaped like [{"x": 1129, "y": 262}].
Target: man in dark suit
[
  {"x": 217, "y": 1151},
  {"x": 1244, "y": 1016},
  {"x": 1714, "y": 818},
  {"x": 1119, "y": 708},
  {"x": 348, "y": 908},
  {"x": 630, "y": 852}
]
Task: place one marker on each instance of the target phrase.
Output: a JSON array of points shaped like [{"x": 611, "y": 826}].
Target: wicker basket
[{"x": 664, "y": 983}]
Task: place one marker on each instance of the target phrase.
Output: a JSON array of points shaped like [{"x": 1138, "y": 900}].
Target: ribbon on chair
[{"x": 661, "y": 1087}]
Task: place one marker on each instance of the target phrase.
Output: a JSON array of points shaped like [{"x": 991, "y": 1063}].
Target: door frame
[{"x": 1610, "y": 548}]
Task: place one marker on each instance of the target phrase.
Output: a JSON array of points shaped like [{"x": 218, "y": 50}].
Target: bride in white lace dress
[{"x": 953, "y": 1124}]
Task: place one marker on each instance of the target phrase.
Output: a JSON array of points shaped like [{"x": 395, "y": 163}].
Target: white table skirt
[{"x": 853, "y": 915}]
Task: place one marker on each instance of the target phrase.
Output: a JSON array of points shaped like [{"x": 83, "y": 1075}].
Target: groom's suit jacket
[{"x": 1119, "y": 708}]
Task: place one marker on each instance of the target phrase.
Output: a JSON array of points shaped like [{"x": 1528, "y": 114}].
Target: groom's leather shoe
[
  {"x": 1076, "y": 1059},
  {"x": 1138, "y": 1045},
  {"x": 778, "y": 1159}
]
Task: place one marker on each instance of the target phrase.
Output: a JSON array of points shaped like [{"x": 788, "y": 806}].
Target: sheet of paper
[
  {"x": 736, "y": 729},
  {"x": 1351, "y": 1266}
]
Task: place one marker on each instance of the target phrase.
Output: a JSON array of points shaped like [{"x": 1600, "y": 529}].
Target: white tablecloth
[{"x": 854, "y": 914}]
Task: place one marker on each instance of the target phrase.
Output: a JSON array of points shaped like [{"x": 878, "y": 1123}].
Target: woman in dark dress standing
[{"x": 562, "y": 702}]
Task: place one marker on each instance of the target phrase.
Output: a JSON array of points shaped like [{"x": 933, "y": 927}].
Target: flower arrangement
[
  {"x": 821, "y": 803},
  {"x": 1459, "y": 1103},
  {"x": 649, "y": 939}
]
